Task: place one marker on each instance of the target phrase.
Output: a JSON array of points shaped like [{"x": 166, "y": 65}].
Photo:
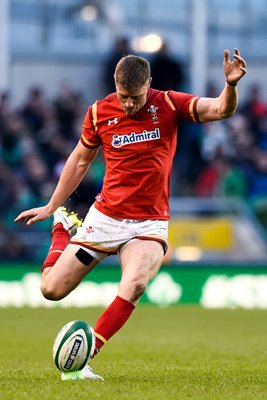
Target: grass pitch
[{"x": 174, "y": 353}]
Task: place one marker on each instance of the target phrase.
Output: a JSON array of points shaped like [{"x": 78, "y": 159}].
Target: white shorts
[{"x": 101, "y": 235}]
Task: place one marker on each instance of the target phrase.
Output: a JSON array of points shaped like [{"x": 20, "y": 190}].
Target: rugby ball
[{"x": 73, "y": 346}]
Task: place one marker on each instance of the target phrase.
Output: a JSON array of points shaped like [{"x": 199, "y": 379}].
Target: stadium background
[{"x": 56, "y": 58}]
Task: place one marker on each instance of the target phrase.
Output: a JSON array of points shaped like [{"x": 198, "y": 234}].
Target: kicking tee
[{"x": 138, "y": 152}]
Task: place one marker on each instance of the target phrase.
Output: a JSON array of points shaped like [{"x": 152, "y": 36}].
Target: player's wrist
[{"x": 233, "y": 84}]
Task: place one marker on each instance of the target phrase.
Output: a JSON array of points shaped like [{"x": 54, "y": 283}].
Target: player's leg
[
  {"x": 140, "y": 261},
  {"x": 65, "y": 265},
  {"x": 64, "y": 226},
  {"x": 66, "y": 274},
  {"x": 64, "y": 268}
]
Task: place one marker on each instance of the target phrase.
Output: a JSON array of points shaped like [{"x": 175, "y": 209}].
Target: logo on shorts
[
  {"x": 89, "y": 229},
  {"x": 145, "y": 136}
]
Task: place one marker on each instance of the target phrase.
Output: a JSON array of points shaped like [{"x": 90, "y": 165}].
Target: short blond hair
[{"x": 132, "y": 72}]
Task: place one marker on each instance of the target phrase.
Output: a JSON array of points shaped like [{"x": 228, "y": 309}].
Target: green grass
[{"x": 173, "y": 353}]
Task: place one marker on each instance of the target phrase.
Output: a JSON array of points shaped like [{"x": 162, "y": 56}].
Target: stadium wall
[
  {"x": 86, "y": 78},
  {"x": 210, "y": 286}
]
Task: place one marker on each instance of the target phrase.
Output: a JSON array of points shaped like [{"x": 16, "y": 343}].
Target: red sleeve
[
  {"x": 185, "y": 104},
  {"x": 90, "y": 137}
]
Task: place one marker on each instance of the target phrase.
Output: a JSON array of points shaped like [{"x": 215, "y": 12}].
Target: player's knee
[
  {"x": 51, "y": 293},
  {"x": 137, "y": 291}
]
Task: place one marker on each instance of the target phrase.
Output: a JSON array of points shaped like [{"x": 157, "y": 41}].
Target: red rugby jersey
[{"x": 138, "y": 152}]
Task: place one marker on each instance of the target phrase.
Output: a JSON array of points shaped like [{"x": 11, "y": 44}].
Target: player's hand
[
  {"x": 34, "y": 215},
  {"x": 236, "y": 69}
]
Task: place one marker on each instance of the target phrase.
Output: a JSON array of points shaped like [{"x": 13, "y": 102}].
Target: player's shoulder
[
  {"x": 163, "y": 97},
  {"x": 163, "y": 94},
  {"x": 107, "y": 104},
  {"x": 105, "y": 109},
  {"x": 109, "y": 99},
  {"x": 155, "y": 93}
]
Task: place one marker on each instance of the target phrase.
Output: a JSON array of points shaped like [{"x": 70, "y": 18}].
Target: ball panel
[
  {"x": 73, "y": 353},
  {"x": 60, "y": 339},
  {"x": 92, "y": 347},
  {"x": 73, "y": 346}
]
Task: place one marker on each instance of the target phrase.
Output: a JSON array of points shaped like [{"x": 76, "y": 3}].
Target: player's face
[{"x": 132, "y": 100}]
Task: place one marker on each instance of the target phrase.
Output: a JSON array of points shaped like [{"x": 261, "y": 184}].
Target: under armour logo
[{"x": 113, "y": 121}]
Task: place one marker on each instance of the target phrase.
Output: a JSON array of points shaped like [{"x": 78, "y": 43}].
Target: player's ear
[{"x": 149, "y": 83}]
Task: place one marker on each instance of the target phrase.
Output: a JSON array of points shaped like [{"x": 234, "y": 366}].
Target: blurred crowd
[
  {"x": 35, "y": 141},
  {"x": 228, "y": 158},
  {"x": 220, "y": 159}
]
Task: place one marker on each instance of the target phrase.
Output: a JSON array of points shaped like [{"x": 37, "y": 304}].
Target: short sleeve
[
  {"x": 185, "y": 104},
  {"x": 90, "y": 137}
]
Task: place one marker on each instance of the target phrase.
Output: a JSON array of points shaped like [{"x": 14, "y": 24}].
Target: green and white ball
[{"x": 74, "y": 346}]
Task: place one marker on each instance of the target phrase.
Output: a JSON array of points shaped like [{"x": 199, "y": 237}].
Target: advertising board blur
[{"x": 209, "y": 286}]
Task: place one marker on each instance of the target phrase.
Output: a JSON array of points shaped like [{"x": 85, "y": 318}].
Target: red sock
[
  {"x": 60, "y": 239},
  {"x": 112, "y": 319}
]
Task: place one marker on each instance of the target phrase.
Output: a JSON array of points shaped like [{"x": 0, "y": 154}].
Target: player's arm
[
  {"x": 212, "y": 109},
  {"x": 72, "y": 174}
]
